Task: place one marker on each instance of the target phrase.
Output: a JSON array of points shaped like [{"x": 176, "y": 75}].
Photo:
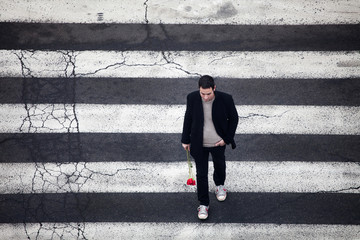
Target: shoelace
[
  {"x": 203, "y": 210},
  {"x": 221, "y": 190}
]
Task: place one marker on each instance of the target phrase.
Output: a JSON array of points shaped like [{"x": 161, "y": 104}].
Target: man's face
[{"x": 207, "y": 94}]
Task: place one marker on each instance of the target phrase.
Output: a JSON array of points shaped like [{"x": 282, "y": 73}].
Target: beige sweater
[{"x": 210, "y": 137}]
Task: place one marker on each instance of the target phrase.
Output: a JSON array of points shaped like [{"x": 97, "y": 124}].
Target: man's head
[{"x": 207, "y": 87}]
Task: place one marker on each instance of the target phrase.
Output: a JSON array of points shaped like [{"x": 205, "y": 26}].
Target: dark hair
[{"x": 206, "y": 81}]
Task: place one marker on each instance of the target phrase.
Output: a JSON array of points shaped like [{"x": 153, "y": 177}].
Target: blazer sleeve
[
  {"x": 186, "y": 133},
  {"x": 233, "y": 119}
]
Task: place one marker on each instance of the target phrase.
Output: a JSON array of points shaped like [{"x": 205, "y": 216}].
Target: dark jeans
[{"x": 202, "y": 169}]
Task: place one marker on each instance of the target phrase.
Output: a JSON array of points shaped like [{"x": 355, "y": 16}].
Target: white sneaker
[
  {"x": 220, "y": 193},
  {"x": 203, "y": 212}
]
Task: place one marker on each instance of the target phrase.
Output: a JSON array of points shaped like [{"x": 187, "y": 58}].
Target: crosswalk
[{"x": 92, "y": 100}]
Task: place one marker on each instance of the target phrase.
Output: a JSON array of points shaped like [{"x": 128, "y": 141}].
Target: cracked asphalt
[{"x": 50, "y": 131}]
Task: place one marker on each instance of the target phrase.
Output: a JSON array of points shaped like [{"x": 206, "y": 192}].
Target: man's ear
[{"x": 214, "y": 87}]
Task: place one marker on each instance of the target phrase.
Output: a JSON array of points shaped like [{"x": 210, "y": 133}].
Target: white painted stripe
[
  {"x": 176, "y": 64},
  {"x": 253, "y": 119},
  {"x": 131, "y": 177},
  {"x": 175, "y": 230},
  {"x": 185, "y": 12}
]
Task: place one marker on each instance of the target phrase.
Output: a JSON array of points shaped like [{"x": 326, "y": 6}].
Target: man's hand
[
  {"x": 220, "y": 143},
  {"x": 186, "y": 146}
]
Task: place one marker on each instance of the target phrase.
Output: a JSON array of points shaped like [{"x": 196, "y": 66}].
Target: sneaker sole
[
  {"x": 202, "y": 217},
  {"x": 221, "y": 199}
]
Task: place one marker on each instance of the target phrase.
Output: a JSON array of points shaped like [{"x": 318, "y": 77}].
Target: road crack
[
  {"x": 146, "y": 11},
  {"x": 57, "y": 118},
  {"x": 254, "y": 115}
]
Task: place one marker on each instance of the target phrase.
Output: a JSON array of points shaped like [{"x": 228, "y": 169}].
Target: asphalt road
[{"x": 338, "y": 207}]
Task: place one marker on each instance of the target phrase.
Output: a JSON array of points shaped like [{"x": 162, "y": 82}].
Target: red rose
[{"x": 190, "y": 181}]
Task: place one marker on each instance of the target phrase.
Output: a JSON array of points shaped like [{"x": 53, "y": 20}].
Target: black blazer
[{"x": 224, "y": 116}]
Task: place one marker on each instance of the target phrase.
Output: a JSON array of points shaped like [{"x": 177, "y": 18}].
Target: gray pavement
[{"x": 331, "y": 208}]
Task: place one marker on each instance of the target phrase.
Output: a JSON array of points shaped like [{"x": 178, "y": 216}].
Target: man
[{"x": 209, "y": 125}]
